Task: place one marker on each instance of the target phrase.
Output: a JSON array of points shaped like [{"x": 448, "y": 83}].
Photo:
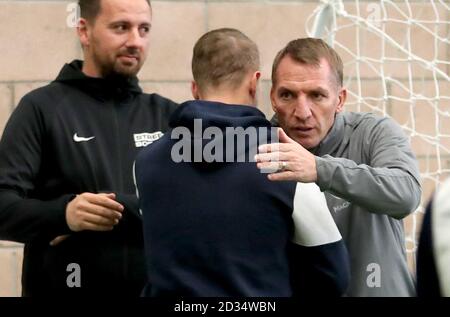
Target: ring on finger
[{"x": 282, "y": 166}]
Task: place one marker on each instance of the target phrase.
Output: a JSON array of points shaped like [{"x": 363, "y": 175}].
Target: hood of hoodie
[
  {"x": 226, "y": 124},
  {"x": 100, "y": 88}
]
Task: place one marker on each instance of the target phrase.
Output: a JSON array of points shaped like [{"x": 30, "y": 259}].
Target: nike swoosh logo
[{"x": 77, "y": 138}]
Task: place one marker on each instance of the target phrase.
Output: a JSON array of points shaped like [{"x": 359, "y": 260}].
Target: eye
[
  {"x": 285, "y": 95},
  {"x": 317, "y": 95},
  {"x": 144, "y": 30},
  {"x": 120, "y": 27}
]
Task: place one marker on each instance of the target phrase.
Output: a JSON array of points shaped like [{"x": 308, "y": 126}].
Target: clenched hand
[{"x": 96, "y": 212}]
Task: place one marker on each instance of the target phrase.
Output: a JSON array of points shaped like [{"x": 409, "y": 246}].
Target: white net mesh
[{"x": 396, "y": 63}]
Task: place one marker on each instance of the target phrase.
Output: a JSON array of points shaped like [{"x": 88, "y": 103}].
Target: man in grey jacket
[{"x": 362, "y": 162}]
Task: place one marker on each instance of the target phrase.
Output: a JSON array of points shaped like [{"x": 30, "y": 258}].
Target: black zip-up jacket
[{"x": 77, "y": 134}]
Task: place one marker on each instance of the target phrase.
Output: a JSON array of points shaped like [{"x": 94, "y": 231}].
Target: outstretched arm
[{"x": 388, "y": 184}]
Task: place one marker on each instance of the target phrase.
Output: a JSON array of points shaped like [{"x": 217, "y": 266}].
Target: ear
[
  {"x": 194, "y": 90},
  {"x": 342, "y": 98},
  {"x": 83, "y": 32},
  {"x": 272, "y": 99},
  {"x": 253, "y": 89}
]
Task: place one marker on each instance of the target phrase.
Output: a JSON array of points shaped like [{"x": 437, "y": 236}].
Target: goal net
[{"x": 396, "y": 63}]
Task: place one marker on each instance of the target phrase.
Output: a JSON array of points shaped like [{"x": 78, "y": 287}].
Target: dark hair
[
  {"x": 223, "y": 56},
  {"x": 310, "y": 51},
  {"x": 89, "y": 9}
]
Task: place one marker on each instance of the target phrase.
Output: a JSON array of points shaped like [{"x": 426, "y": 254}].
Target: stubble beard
[{"x": 116, "y": 68}]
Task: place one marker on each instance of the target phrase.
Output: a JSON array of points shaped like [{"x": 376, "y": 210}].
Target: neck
[
  {"x": 90, "y": 69},
  {"x": 232, "y": 98}
]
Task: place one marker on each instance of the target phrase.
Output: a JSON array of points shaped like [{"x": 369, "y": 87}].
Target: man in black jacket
[
  {"x": 66, "y": 158},
  {"x": 213, "y": 224}
]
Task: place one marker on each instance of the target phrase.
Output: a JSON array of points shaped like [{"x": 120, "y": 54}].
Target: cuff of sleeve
[
  {"x": 58, "y": 222},
  {"x": 130, "y": 202},
  {"x": 323, "y": 180}
]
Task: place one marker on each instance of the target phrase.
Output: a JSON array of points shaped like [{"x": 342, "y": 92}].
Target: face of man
[
  {"x": 117, "y": 42},
  {"x": 306, "y": 99}
]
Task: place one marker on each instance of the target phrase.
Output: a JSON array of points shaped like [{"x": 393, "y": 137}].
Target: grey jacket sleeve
[{"x": 387, "y": 184}]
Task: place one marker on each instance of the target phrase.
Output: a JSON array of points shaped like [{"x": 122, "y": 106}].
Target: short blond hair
[{"x": 223, "y": 56}]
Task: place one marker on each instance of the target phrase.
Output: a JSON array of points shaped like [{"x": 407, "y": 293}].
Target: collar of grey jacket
[{"x": 333, "y": 139}]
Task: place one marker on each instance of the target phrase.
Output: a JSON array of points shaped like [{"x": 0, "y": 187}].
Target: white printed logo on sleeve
[{"x": 144, "y": 139}]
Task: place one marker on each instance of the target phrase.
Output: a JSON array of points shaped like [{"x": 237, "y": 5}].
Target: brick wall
[{"x": 35, "y": 42}]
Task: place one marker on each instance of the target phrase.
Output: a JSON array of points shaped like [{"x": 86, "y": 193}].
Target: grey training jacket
[{"x": 370, "y": 178}]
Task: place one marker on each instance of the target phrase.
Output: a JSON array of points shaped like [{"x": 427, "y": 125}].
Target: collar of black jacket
[{"x": 100, "y": 88}]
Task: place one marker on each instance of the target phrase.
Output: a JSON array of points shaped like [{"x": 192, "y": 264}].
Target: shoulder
[
  {"x": 157, "y": 100},
  {"x": 156, "y": 150},
  {"x": 363, "y": 118},
  {"x": 43, "y": 97},
  {"x": 371, "y": 123},
  {"x": 35, "y": 101}
]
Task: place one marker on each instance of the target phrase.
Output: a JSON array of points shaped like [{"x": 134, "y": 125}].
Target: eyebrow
[
  {"x": 129, "y": 23},
  {"x": 320, "y": 90},
  {"x": 315, "y": 89}
]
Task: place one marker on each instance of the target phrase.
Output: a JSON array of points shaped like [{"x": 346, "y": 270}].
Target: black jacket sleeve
[
  {"x": 23, "y": 218},
  {"x": 319, "y": 271},
  {"x": 427, "y": 277},
  {"x": 131, "y": 205}
]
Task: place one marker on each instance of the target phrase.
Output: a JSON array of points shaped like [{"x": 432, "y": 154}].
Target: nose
[
  {"x": 302, "y": 108},
  {"x": 135, "y": 39}
]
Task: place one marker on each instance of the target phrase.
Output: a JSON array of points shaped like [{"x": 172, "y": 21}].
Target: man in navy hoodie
[{"x": 213, "y": 224}]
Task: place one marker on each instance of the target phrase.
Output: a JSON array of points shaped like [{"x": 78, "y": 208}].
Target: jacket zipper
[{"x": 116, "y": 105}]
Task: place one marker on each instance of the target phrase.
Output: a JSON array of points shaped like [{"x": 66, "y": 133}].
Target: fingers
[
  {"x": 270, "y": 166},
  {"x": 99, "y": 220},
  {"x": 283, "y": 137},
  {"x": 279, "y": 171},
  {"x": 278, "y": 147},
  {"x": 105, "y": 200},
  {"x": 94, "y": 227},
  {"x": 102, "y": 205},
  {"x": 273, "y": 157},
  {"x": 83, "y": 220},
  {"x": 98, "y": 212},
  {"x": 274, "y": 167},
  {"x": 283, "y": 176},
  {"x": 58, "y": 240},
  {"x": 271, "y": 147}
]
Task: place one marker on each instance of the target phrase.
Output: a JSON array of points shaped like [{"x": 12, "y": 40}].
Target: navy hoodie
[{"x": 221, "y": 228}]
